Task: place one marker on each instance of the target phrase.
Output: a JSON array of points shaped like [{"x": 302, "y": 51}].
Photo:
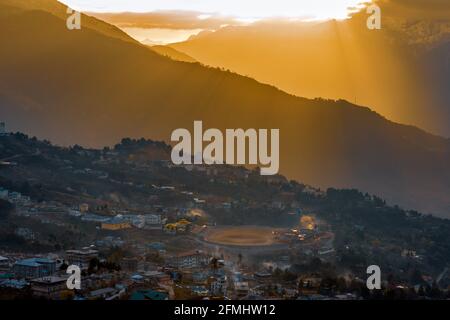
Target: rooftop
[
  {"x": 82, "y": 252},
  {"x": 149, "y": 295},
  {"x": 34, "y": 262},
  {"x": 189, "y": 253},
  {"x": 103, "y": 291},
  {"x": 49, "y": 280}
]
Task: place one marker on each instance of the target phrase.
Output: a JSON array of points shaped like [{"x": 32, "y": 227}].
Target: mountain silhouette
[
  {"x": 172, "y": 53},
  {"x": 93, "y": 88},
  {"x": 399, "y": 71}
]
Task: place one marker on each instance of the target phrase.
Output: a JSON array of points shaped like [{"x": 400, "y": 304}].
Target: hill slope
[
  {"x": 172, "y": 53},
  {"x": 60, "y": 10},
  {"x": 392, "y": 70},
  {"x": 88, "y": 88}
]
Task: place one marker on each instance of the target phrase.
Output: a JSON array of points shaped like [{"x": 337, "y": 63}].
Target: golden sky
[{"x": 248, "y": 9}]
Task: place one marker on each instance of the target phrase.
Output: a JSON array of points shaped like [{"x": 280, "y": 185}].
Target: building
[
  {"x": 115, "y": 224},
  {"x": 34, "y": 268},
  {"x": 153, "y": 219},
  {"x": 190, "y": 259},
  {"x": 241, "y": 289},
  {"x": 2, "y": 129},
  {"x": 83, "y": 208},
  {"x": 4, "y": 264},
  {"x": 48, "y": 287},
  {"x": 129, "y": 264},
  {"x": 81, "y": 258},
  {"x": 158, "y": 277},
  {"x": 153, "y": 222},
  {"x": 13, "y": 284},
  {"x": 103, "y": 294},
  {"x": 141, "y": 295},
  {"x": 219, "y": 285},
  {"x": 309, "y": 285},
  {"x": 137, "y": 221}
]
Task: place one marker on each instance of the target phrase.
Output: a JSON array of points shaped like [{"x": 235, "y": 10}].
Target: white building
[
  {"x": 153, "y": 219},
  {"x": 190, "y": 259},
  {"x": 153, "y": 222},
  {"x": 81, "y": 258},
  {"x": 241, "y": 288},
  {"x": 138, "y": 221}
]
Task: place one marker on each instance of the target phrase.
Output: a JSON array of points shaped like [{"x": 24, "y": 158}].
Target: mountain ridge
[{"x": 83, "y": 87}]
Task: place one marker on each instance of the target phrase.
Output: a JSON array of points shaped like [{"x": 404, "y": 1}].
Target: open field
[{"x": 246, "y": 236}]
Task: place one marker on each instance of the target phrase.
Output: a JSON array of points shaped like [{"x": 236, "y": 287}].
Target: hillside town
[{"x": 141, "y": 228}]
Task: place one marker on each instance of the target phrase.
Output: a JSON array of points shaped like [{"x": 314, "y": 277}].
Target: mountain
[
  {"x": 86, "y": 87},
  {"x": 60, "y": 10},
  {"x": 392, "y": 70},
  {"x": 172, "y": 53}
]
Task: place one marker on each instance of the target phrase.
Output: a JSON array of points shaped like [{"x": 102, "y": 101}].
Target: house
[
  {"x": 200, "y": 291},
  {"x": 158, "y": 277},
  {"x": 153, "y": 222},
  {"x": 137, "y": 221},
  {"x": 181, "y": 226},
  {"x": 94, "y": 218},
  {"x": 129, "y": 264},
  {"x": 406, "y": 253},
  {"x": 158, "y": 246},
  {"x": 115, "y": 224},
  {"x": 83, "y": 208},
  {"x": 263, "y": 276},
  {"x": 199, "y": 277},
  {"x": 4, "y": 264},
  {"x": 190, "y": 259},
  {"x": 14, "y": 284},
  {"x": 81, "y": 258},
  {"x": 153, "y": 219},
  {"x": 241, "y": 289},
  {"x": 219, "y": 285},
  {"x": 49, "y": 287},
  {"x": 149, "y": 295},
  {"x": 309, "y": 285},
  {"x": 34, "y": 268},
  {"x": 103, "y": 294}
]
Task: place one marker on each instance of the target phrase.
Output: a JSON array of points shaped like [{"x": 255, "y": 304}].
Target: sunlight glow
[{"x": 247, "y": 10}]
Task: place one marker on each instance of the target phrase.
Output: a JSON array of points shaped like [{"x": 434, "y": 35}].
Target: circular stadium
[{"x": 242, "y": 236}]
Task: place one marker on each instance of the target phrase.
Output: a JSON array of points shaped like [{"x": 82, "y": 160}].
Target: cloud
[
  {"x": 248, "y": 9},
  {"x": 167, "y": 20}
]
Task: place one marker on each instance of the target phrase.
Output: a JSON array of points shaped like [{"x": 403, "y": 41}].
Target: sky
[{"x": 242, "y": 9}]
